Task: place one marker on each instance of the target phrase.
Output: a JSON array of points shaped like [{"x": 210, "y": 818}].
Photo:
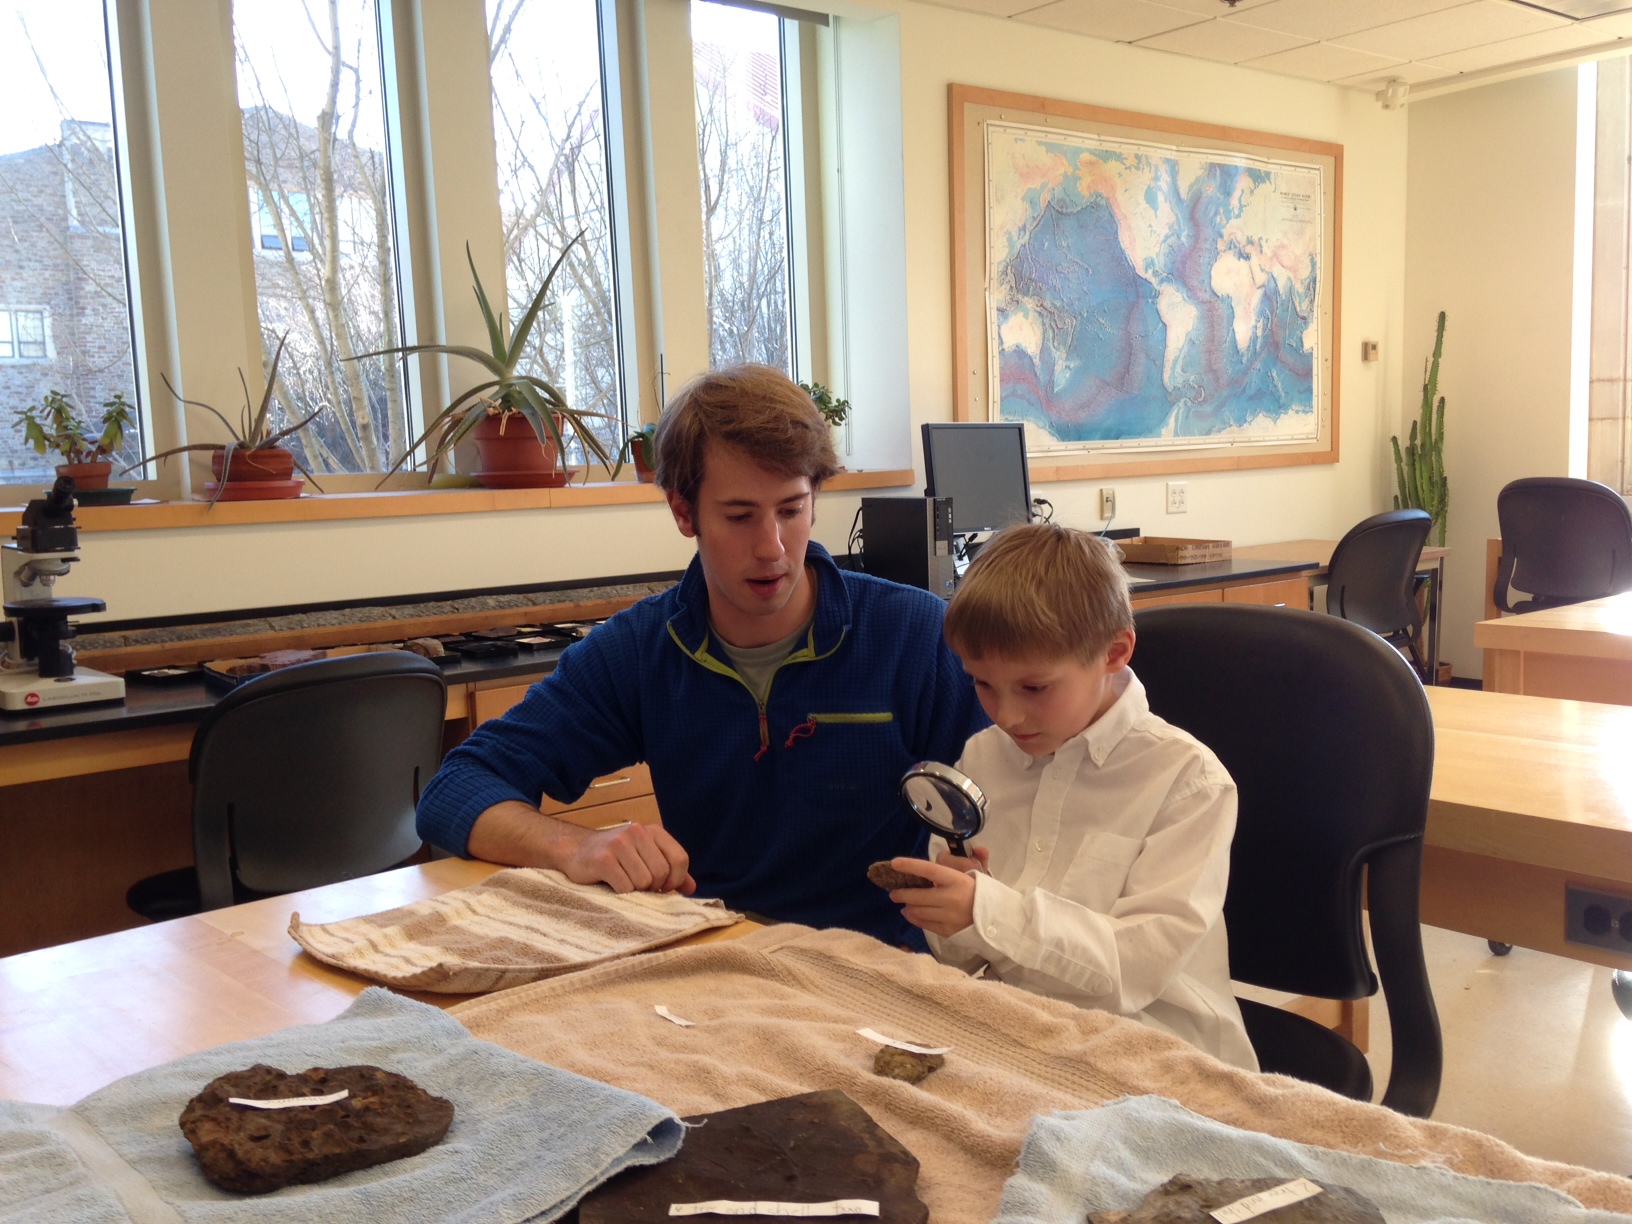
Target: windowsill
[{"x": 322, "y": 507}]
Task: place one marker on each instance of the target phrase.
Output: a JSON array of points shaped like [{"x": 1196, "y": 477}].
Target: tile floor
[{"x": 1536, "y": 1052}]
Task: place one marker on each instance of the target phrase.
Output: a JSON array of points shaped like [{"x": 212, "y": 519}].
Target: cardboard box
[{"x": 1168, "y": 550}]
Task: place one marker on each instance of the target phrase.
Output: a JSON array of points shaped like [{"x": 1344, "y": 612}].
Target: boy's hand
[
  {"x": 946, "y": 908},
  {"x": 980, "y": 860}
]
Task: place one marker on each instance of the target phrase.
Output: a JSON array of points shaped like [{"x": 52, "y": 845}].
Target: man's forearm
[{"x": 516, "y": 834}]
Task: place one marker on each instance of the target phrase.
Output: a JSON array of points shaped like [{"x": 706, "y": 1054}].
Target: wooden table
[
  {"x": 1583, "y": 651},
  {"x": 80, "y": 1015},
  {"x": 1320, "y": 551},
  {"x": 1529, "y": 793}
]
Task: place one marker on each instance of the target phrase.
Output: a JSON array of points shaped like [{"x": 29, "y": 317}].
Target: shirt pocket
[{"x": 1099, "y": 871}]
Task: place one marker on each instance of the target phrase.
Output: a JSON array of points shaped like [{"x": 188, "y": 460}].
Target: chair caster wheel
[
  {"x": 1620, "y": 983},
  {"x": 1501, "y": 949}
]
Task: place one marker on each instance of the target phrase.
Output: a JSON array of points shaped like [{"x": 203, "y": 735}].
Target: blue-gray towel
[
  {"x": 527, "y": 1140},
  {"x": 1108, "y": 1159}
]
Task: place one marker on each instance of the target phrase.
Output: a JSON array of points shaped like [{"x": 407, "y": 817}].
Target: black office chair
[
  {"x": 1327, "y": 734},
  {"x": 305, "y": 776},
  {"x": 1372, "y": 578},
  {"x": 1563, "y": 541}
]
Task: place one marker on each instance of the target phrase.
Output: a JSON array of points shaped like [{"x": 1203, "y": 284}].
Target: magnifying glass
[{"x": 946, "y": 800}]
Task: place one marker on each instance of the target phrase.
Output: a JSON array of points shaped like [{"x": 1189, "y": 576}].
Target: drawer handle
[{"x": 611, "y": 782}]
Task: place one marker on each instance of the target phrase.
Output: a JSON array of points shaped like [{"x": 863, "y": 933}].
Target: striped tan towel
[{"x": 518, "y": 925}]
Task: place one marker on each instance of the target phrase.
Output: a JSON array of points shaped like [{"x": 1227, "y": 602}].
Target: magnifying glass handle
[{"x": 955, "y": 844}]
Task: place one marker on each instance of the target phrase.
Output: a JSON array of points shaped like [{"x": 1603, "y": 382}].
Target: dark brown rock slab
[
  {"x": 252, "y": 1151},
  {"x": 1188, "y": 1200},
  {"x": 889, "y": 879},
  {"x": 811, "y": 1148}
]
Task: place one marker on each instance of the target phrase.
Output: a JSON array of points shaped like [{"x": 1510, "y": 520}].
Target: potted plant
[
  {"x": 833, "y": 409},
  {"x": 252, "y": 466},
  {"x": 517, "y": 419},
  {"x": 641, "y": 448},
  {"x": 54, "y": 424}
]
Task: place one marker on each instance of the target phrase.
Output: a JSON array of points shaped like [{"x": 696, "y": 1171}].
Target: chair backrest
[
  {"x": 1327, "y": 733},
  {"x": 1371, "y": 576},
  {"x": 1563, "y": 541},
  {"x": 310, "y": 775}
]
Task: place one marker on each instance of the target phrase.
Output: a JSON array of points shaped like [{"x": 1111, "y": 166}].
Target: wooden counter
[{"x": 1582, "y": 651}]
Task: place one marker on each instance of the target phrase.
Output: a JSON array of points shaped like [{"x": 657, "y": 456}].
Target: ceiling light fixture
[{"x": 1579, "y": 10}]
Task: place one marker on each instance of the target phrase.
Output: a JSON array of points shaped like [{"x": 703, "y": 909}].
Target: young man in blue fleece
[{"x": 776, "y": 698}]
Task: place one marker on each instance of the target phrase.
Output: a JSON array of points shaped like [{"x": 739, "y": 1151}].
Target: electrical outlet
[
  {"x": 1599, "y": 920},
  {"x": 1107, "y": 504},
  {"x": 1178, "y": 500}
]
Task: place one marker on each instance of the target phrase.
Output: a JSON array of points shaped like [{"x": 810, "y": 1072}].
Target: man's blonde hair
[{"x": 1040, "y": 591}]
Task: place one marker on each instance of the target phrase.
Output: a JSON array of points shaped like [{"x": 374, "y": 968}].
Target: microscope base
[{"x": 25, "y": 690}]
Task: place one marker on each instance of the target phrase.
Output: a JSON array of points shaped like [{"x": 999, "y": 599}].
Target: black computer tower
[{"x": 909, "y": 540}]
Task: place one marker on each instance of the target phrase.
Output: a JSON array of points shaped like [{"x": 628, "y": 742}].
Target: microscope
[{"x": 37, "y": 669}]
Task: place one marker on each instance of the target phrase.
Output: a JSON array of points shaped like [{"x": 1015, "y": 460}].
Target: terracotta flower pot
[
  {"x": 267, "y": 463},
  {"x": 513, "y": 456},
  {"x": 644, "y": 474},
  {"x": 87, "y": 475}
]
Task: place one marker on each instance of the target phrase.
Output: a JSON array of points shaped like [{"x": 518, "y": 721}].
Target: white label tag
[
  {"x": 903, "y": 1045},
  {"x": 292, "y": 1102},
  {"x": 1268, "y": 1200},
  {"x": 838, "y": 1207},
  {"x": 671, "y": 1017}
]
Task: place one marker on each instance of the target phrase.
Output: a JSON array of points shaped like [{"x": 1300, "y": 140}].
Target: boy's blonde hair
[{"x": 1040, "y": 591}]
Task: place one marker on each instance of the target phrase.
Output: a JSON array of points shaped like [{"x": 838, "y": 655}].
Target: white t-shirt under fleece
[{"x": 1109, "y": 863}]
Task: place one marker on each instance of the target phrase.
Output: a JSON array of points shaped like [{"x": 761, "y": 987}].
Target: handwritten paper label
[
  {"x": 1255, "y": 1205},
  {"x": 838, "y": 1207},
  {"x": 292, "y": 1102},
  {"x": 671, "y": 1017},
  {"x": 903, "y": 1045}
]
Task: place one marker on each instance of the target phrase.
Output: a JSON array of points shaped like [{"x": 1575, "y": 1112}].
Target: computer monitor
[{"x": 982, "y": 468}]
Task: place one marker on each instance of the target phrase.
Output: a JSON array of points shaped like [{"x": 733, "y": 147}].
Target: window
[
  {"x": 315, "y": 155},
  {"x": 737, "y": 56},
  {"x": 550, "y": 130},
  {"x": 67, "y": 325},
  {"x": 22, "y": 335}
]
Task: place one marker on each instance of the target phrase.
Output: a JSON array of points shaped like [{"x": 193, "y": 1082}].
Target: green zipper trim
[{"x": 883, "y": 717}]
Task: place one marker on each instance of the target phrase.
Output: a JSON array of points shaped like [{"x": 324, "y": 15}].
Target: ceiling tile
[
  {"x": 1116, "y": 20},
  {"x": 1514, "y": 50},
  {"x": 1323, "y": 62},
  {"x": 1606, "y": 28},
  {"x": 1329, "y": 18},
  {"x": 1452, "y": 29},
  {"x": 1412, "y": 73},
  {"x": 1216, "y": 8},
  {"x": 996, "y": 8},
  {"x": 1228, "y": 41}
]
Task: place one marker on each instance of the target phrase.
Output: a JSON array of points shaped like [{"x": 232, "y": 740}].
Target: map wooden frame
[{"x": 969, "y": 107}]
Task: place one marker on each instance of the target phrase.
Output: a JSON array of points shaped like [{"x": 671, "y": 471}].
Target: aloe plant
[
  {"x": 253, "y": 432},
  {"x": 1419, "y": 469},
  {"x": 507, "y": 390}
]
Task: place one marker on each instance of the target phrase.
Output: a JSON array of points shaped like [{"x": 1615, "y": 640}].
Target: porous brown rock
[
  {"x": 252, "y": 1151},
  {"x": 905, "y": 1065},
  {"x": 1188, "y": 1200},
  {"x": 889, "y": 879},
  {"x": 429, "y": 647}
]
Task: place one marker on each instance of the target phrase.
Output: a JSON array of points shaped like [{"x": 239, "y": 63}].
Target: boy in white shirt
[{"x": 1101, "y": 873}]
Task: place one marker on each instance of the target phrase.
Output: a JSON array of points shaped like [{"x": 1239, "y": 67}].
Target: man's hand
[
  {"x": 628, "y": 857},
  {"x": 631, "y": 858},
  {"x": 944, "y": 909}
]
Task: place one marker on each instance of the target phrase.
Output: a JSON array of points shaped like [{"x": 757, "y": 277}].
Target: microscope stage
[{"x": 26, "y": 690}]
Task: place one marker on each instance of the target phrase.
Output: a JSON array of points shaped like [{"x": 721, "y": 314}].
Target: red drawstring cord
[
  {"x": 764, "y": 735},
  {"x": 804, "y": 730}
]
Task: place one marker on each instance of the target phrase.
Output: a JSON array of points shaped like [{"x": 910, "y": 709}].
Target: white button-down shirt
[{"x": 1109, "y": 863}]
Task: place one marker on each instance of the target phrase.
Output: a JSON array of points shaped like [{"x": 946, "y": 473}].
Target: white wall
[
  {"x": 1490, "y": 240},
  {"x": 178, "y": 571}
]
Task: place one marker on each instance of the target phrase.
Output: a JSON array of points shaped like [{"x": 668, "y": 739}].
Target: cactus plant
[{"x": 1419, "y": 469}]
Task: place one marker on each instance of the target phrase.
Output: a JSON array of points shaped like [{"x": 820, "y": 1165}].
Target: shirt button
[{"x": 1039, "y": 845}]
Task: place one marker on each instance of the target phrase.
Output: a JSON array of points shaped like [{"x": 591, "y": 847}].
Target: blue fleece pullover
[{"x": 782, "y": 808}]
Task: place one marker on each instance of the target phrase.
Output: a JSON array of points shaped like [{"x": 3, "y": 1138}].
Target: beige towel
[
  {"x": 776, "y": 1013},
  {"x": 517, "y": 926}
]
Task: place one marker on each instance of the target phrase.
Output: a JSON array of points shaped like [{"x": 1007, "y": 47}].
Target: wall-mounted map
[
  {"x": 1143, "y": 295},
  {"x": 1148, "y": 294}
]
